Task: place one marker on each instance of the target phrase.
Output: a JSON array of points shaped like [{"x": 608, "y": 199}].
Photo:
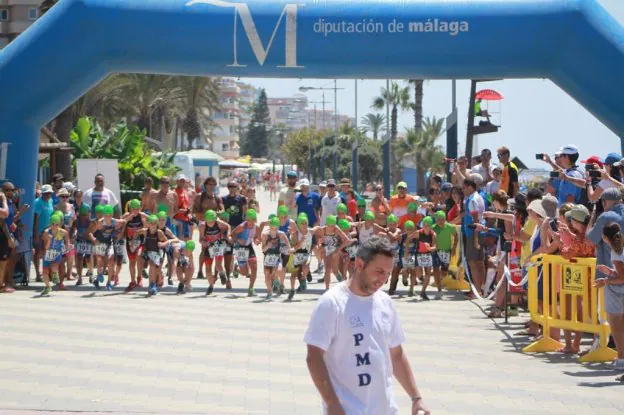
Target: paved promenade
[{"x": 82, "y": 350}]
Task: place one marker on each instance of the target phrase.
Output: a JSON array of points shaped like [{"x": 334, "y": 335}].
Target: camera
[
  {"x": 595, "y": 174},
  {"x": 472, "y": 226},
  {"x": 554, "y": 174},
  {"x": 539, "y": 156},
  {"x": 507, "y": 247},
  {"x": 590, "y": 167}
]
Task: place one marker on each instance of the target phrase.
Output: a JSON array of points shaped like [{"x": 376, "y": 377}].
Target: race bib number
[
  {"x": 241, "y": 254},
  {"x": 51, "y": 255},
  {"x": 133, "y": 245},
  {"x": 409, "y": 261},
  {"x": 84, "y": 248},
  {"x": 154, "y": 257},
  {"x": 284, "y": 250},
  {"x": 425, "y": 260},
  {"x": 120, "y": 247},
  {"x": 301, "y": 258},
  {"x": 272, "y": 260},
  {"x": 216, "y": 250},
  {"x": 352, "y": 251},
  {"x": 183, "y": 261},
  {"x": 103, "y": 250},
  {"x": 445, "y": 257}
]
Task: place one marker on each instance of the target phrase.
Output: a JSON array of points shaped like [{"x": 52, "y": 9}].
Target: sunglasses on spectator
[
  {"x": 164, "y": 182},
  {"x": 63, "y": 197}
]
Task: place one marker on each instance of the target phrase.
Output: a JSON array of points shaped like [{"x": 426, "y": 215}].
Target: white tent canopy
[{"x": 233, "y": 164}]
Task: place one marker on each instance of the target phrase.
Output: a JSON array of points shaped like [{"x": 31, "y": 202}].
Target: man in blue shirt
[
  {"x": 308, "y": 203},
  {"x": 572, "y": 179}
]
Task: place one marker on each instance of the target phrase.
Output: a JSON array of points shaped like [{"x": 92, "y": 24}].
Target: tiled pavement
[{"x": 229, "y": 354}]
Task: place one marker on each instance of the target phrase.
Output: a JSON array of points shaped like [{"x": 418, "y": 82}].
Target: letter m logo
[{"x": 241, "y": 10}]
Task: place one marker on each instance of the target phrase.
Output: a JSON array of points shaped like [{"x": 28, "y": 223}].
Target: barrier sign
[{"x": 573, "y": 281}]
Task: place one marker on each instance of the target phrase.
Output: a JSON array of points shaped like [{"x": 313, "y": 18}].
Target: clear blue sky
[{"x": 536, "y": 115}]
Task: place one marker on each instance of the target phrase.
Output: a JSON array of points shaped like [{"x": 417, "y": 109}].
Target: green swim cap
[
  {"x": 99, "y": 209},
  {"x": 224, "y": 215},
  {"x": 392, "y": 218},
  {"x": 331, "y": 220},
  {"x": 440, "y": 214},
  {"x": 108, "y": 210},
  {"x": 409, "y": 226},
  {"x": 344, "y": 225},
  {"x": 251, "y": 214},
  {"x": 152, "y": 218},
  {"x": 282, "y": 211},
  {"x": 272, "y": 215},
  {"x": 274, "y": 223},
  {"x": 210, "y": 215},
  {"x": 163, "y": 208},
  {"x": 84, "y": 209},
  {"x": 428, "y": 221},
  {"x": 135, "y": 204},
  {"x": 302, "y": 218},
  {"x": 412, "y": 207},
  {"x": 189, "y": 246},
  {"x": 361, "y": 203},
  {"x": 342, "y": 208},
  {"x": 162, "y": 215},
  {"x": 55, "y": 220},
  {"x": 369, "y": 215}
]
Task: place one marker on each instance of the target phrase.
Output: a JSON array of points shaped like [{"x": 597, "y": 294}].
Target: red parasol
[{"x": 488, "y": 95}]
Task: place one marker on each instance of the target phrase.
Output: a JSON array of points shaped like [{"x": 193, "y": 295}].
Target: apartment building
[
  {"x": 15, "y": 17},
  {"x": 290, "y": 112},
  {"x": 225, "y": 136},
  {"x": 248, "y": 97},
  {"x": 327, "y": 120}
]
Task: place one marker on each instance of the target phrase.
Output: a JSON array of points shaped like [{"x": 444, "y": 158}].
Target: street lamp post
[
  {"x": 335, "y": 89},
  {"x": 356, "y": 143},
  {"x": 323, "y": 102},
  {"x": 386, "y": 147}
]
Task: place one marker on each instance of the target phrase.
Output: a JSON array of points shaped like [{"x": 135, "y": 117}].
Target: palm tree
[
  {"x": 417, "y": 105},
  {"x": 397, "y": 97},
  {"x": 421, "y": 148},
  {"x": 199, "y": 99},
  {"x": 374, "y": 123}
]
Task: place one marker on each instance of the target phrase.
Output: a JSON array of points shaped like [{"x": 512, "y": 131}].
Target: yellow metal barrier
[
  {"x": 456, "y": 280},
  {"x": 564, "y": 284}
]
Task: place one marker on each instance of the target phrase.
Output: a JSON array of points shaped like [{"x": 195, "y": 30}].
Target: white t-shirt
[
  {"x": 94, "y": 197},
  {"x": 605, "y": 184},
  {"x": 329, "y": 206},
  {"x": 287, "y": 195},
  {"x": 617, "y": 257},
  {"x": 477, "y": 204},
  {"x": 492, "y": 187},
  {"x": 486, "y": 173},
  {"x": 357, "y": 334}
]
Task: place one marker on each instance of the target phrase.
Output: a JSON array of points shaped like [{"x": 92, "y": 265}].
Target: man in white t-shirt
[
  {"x": 354, "y": 341},
  {"x": 485, "y": 168},
  {"x": 330, "y": 202},
  {"x": 288, "y": 195},
  {"x": 494, "y": 185},
  {"x": 100, "y": 195}
]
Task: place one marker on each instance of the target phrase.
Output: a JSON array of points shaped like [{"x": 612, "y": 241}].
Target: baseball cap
[
  {"x": 180, "y": 177},
  {"x": 612, "y": 158},
  {"x": 594, "y": 160},
  {"x": 612, "y": 195},
  {"x": 46, "y": 188},
  {"x": 579, "y": 213},
  {"x": 323, "y": 184},
  {"x": 233, "y": 183},
  {"x": 331, "y": 182},
  {"x": 570, "y": 149},
  {"x": 619, "y": 163},
  {"x": 304, "y": 182},
  {"x": 292, "y": 173},
  {"x": 446, "y": 187},
  {"x": 536, "y": 206},
  {"x": 401, "y": 184}
]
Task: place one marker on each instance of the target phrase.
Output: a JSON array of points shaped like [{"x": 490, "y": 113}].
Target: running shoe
[
  {"x": 276, "y": 285},
  {"x": 618, "y": 364},
  {"x": 291, "y": 295},
  {"x": 153, "y": 290},
  {"x": 424, "y": 296},
  {"x": 512, "y": 312},
  {"x": 109, "y": 286},
  {"x": 46, "y": 291},
  {"x": 235, "y": 273},
  {"x": 60, "y": 286},
  {"x": 303, "y": 285},
  {"x": 96, "y": 283},
  {"x": 89, "y": 275},
  {"x": 282, "y": 289},
  {"x": 339, "y": 277},
  {"x": 410, "y": 293},
  {"x": 251, "y": 292},
  {"x": 209, "y": 290},
  {"x": 145, "y": 274},
  {"x": 321, "y": 280},
  {"x": 309, "y": 277},
  {"x": 405, "y": 281},
  {"x": 391, "y": 292},
  {"x": 7, "y": 290},
  {"x": 228, "y": 285},
  {"x": 320, "y": 269},
  {"x": 222, "y": 278},
  {"x": 55, "y": 278},
  {"x": 200, "y": 275},
  {"x": 180, "y": 288},
  {"x": 269, "y": 297},
  {"x": 39, "y": 278},
  {"x": 169, "y": 281},
  {"x": 131, "y": 286},
  {"x": 78, "y": 281},
  {"x": 100, "y": 278}
]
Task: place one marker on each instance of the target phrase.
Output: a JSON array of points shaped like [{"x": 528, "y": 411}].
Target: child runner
[
  {"x": 348, "y": 253},
  {"x": 446, "y": 246},
  {"x": 244, "y": 236},
  {"x": 287, "y": 226},
  {"x": 66, "y": 210},
  {"x": 394, "y": 235},
  {"x": 185, "y": 267},
  {"x": 273, "y": 243},
  {"x": 84, "y": 246},
  {"x": 333, "y": 241},
  {"x": 409, "y": 242},
  {"x": 424, "y": 258},
  {"x": 135, "y": 221},
  {"x": 55, "y": 239},
  {"x": 103, "y": 242},
  {"x": 163, "y": 226},
  {"x": 211, "y": 233},
  {"x": 154, "y": 240},
  {"x": 302, "y": 244}
]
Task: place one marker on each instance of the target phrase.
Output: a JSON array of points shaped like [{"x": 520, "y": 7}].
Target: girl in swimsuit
[
  {"x": 274, "y": 242},
  {"x": 245, "y": 235},
  {"x": 302, "y": 244},
  {"x": 333, "y": 241},
  {"x": 102, "y": 237}
]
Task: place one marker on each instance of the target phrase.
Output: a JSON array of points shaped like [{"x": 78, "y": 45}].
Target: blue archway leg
[{"x": 22, "y": 165}]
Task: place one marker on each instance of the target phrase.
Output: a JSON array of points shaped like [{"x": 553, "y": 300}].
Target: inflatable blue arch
[{"x": 574, "y": 43}]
